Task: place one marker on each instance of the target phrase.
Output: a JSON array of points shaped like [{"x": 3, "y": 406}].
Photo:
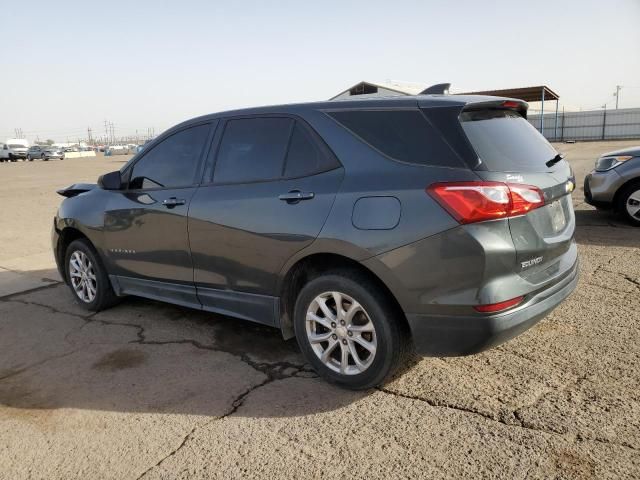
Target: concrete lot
[{"x": 155, "y": 391}]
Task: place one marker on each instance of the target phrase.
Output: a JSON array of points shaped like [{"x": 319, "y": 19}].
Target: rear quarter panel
[{"x": 369, "y": 173}]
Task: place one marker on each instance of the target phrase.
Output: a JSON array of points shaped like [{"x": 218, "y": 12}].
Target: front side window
[
  {"x": 252, "y": 149},
  {"x": 173, "y": 163}
]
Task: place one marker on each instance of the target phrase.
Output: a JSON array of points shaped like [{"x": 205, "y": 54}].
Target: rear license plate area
[{"x": 558, "y": 218}]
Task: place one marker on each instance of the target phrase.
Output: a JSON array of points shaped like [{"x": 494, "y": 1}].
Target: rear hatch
[{"x": 512, "y": 151}]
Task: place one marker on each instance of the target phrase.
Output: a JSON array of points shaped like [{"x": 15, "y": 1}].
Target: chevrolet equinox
[{"x": 365, "y": 228}]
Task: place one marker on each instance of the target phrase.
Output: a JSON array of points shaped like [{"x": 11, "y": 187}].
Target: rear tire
[
  {"x": 87, "y": 278},
  {"x": 368, "y": 327},
  {"x": 628, "y": 204}
]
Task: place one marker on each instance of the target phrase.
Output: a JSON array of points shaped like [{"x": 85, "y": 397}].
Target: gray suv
[
  {"x": 44, "y": 152},
  {"x": 615, "y": 183},
  {"x": 363, "y": 228}
]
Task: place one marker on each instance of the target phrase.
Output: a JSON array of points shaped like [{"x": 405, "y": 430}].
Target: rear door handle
[
  {"x": 294, "y": 196},
  {"x": 173, "y": 202}
]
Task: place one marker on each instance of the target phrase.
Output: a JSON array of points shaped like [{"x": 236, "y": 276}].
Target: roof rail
[{"x": 440, "y": 88}]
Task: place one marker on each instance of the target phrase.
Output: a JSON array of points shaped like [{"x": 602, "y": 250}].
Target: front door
[
  {"x": 273, "y": 186},
  {"x": 145, "y": 225}
]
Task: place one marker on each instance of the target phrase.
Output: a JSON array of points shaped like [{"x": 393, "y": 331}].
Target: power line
[{"x": 617, "y": 94}]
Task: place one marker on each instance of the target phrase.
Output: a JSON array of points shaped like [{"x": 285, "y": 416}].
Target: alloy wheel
[
  {"x": 83, "y": 276},
  {"x": 341, "y": 333},
  {"x": 633, "y": 205}
]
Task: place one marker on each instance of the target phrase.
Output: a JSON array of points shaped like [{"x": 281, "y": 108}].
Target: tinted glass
[
  {"x": 173, "y": 162},
  {"x": 506, "y": 142},
  {"x": 252, "y": 149},
  {"x": 306, "y": 156},
  {"x": 404, "y": 135}
]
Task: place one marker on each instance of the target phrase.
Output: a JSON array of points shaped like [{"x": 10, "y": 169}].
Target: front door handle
[
  {"x": 294, "y": 196},
  {"x": 173, "y": 202}
]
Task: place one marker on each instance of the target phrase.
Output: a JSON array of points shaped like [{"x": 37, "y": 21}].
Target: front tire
[
  {"x": 629, "y": 203},
  {"x": 349, "y": 330},
  {"x": 87, "y": 278}
]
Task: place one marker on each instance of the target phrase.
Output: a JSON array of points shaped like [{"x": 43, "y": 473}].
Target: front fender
[{"x": 85, "y": 214}]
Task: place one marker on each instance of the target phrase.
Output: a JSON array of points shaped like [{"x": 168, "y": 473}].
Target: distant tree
[{"x": 50, "y": 142}]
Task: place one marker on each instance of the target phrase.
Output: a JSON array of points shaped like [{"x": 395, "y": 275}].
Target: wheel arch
[
  {"x": 616, "y": 196},
  {"x": 313, "y": 265},
  {"x": 66, "y": 236}
]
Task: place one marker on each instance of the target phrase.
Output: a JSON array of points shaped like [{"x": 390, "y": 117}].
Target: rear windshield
[
  {"x": 506, "y": 142},
  {"x": 404, "y": 135}
]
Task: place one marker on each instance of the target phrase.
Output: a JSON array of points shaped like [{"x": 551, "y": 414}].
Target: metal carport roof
[{"x": 538, "y": 93}]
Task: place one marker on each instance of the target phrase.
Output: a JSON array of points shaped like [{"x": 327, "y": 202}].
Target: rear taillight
[{"x": 470, "y": 202}]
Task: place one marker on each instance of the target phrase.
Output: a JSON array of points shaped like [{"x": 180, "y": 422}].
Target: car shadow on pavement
[
  {"x": 147, "y": 357},
  {"x": 605, "y": 228}
]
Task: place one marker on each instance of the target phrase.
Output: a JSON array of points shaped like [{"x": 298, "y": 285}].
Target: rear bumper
[{"x": 465, "y": 335}]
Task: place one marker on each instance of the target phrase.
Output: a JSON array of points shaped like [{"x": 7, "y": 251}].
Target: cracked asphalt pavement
[{"x": 148, "y": 390}]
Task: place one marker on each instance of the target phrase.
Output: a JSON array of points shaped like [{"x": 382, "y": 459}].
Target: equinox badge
[{"x": 532, "y": 262}]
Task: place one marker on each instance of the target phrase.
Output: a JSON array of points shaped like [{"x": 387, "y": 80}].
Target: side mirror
[{"x": 110, "y": 181}]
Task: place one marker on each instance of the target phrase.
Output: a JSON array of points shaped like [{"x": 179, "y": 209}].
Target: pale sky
[{"x": 70, "y": 65}]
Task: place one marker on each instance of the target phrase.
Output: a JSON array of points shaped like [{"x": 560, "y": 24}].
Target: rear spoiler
[{"x": 519, "y": 106}]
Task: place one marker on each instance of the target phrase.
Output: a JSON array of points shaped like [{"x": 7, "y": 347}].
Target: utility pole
[
  {"x": 106, "y": 132},
  {"x": 617, "y": 94}
]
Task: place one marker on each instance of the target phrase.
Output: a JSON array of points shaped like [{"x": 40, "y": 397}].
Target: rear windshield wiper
[{"x": 554, "y": 160}]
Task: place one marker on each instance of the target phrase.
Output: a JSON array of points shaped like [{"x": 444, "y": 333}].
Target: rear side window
[
  {"x": 252, "y": 149},
  {"x": 306, "y": 156},
  {"x": 506, "y": 142},
  {"x": 403, "y": 135}
]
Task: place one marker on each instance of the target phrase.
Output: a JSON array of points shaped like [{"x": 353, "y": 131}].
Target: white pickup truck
[{"x": 14, "y": 148}]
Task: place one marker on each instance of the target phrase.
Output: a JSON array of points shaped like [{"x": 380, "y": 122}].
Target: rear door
[
  {"x": 272, "y": 187},
  {"x": 511, "y": 150}
]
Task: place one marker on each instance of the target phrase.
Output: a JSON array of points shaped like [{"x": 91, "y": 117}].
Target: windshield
[
  {"x": 506, "y": 142},
  {"x": 15, "y": 145}
]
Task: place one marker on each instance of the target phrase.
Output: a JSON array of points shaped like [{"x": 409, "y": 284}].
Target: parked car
[
  {"x": 4, "y": 152},
  {"x": 363, "y": 228},
  {"x": 117, "y": 150},
  {"x": 615, "y": 183},
  {"x": 44, "y": 152},
  {"x": 17, "y": 148}
]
